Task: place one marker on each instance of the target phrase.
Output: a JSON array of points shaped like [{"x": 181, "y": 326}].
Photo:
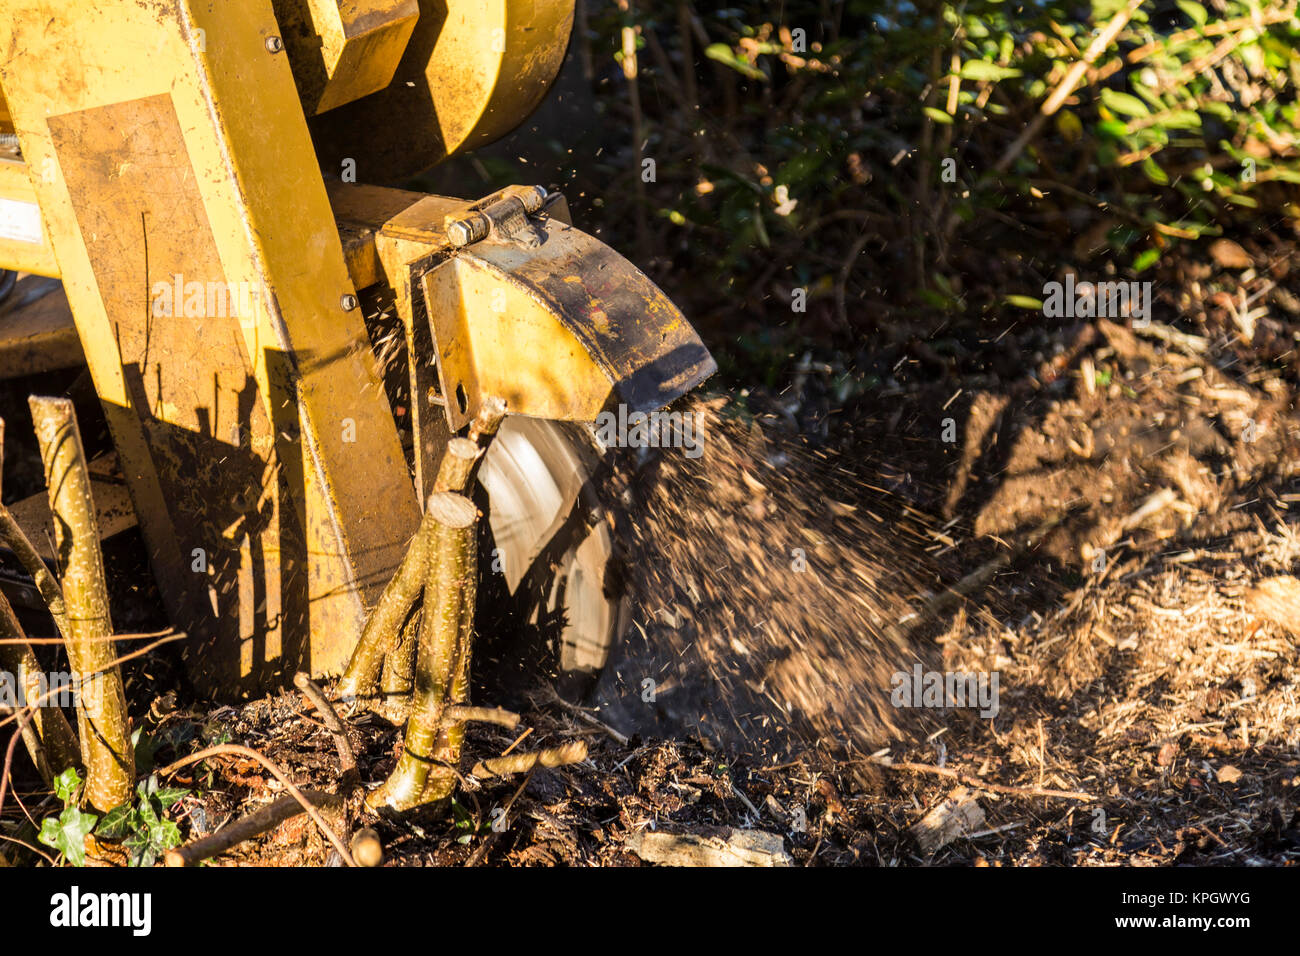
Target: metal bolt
[
  {"x": 461, "y": 232},
  {"x": 348, "y": 301},
  {"x": 274, "y": 44},
  {"x": 458, "y": 233},
  {"x": 533, "y": 198}
]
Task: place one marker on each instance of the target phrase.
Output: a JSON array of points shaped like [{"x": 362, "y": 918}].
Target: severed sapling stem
[
  {"x": 455, "y": 473},
  {"x": 457, "y": 465},
  {"x": 250, "y": 827},
  {"x": 106, "y": 749},
  {"x": 383, "y": 628},
  {"x": 48, "y": 736},
  {"x": 398, "y": 678},
  {"x": 444, "y": 629},
  {"x": 13, "y": 538}
]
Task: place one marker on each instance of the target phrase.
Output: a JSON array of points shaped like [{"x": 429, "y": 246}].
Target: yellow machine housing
[{"x": 170, "y": 173}]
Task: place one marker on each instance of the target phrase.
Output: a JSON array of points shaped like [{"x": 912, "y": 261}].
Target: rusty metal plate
[{"x": 221, "y": 524}]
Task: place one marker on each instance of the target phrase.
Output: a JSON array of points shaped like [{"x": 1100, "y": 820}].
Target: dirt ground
[
  {"x": 1109, "y": 528},
  {"x": 1101, "y": 515}
]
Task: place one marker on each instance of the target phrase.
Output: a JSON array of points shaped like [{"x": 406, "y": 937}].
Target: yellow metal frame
[
  {"x": 342, "y": 50},
  {"x": 172, "y": 182},
  {"x": 472, "y": 71},
  {"x": 24, "y": 245},
  {"x": 182, "y": 113}
]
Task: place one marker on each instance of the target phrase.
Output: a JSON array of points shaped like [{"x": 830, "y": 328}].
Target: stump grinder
[{"x": 282, "y": 343}]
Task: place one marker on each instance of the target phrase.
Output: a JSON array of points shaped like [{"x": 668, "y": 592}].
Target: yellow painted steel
[
  {"x": 212, "y": 277},
  {"x": 559, "y": 329},
  {"x": 261, "y": 452},
  {"x": 473, "y": 70},
  {"x": 24, "y": 246},
  {"x": 342, "y": 50}
]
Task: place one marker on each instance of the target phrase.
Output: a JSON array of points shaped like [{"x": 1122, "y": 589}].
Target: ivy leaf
[
  {"x": 148, "y": 816},
  {"x": 67, "y": 833},
  {"x": 117, "y": 823},
  {"x": 169, "y": 795},
  {"x": 66, "y": 785},
  {"x": 138, "y": 846},
  {"x": 164, "y": 835}
]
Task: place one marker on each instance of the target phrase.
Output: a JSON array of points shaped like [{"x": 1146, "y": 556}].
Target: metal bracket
[{"x": 504, "y": 215}]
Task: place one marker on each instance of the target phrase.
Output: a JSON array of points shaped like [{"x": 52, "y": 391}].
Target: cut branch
[
  {"x": 384, "y": 625},
  {"x": 521, "y": 763},
  {"x": 457, "y": 465},
  {"x": 49, "y": 726},
  {"x": 491, "y": 413},
  {"x": 250, "y": 827},
  {"x": 455, "y": 473},
  {"x": 314, "y": 695},
  {"x": 239, "y": 750},
  {"x": 973, "y": 781},
  {"x": 106, "y": 749},
  {"x": 442, "y": 657},
  {"x": 484, "y": 715}
]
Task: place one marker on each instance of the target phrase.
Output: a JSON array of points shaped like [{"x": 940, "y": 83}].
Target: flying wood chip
[{"x": 1277, "y": 600}]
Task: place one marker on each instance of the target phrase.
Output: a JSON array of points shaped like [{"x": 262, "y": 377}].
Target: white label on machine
[{"x": 20, "y": 220}]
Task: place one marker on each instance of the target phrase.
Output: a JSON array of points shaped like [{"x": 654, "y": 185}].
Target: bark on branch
[
  {"x": 442, "y": 659},
  {"x": 106, "y": 747}
]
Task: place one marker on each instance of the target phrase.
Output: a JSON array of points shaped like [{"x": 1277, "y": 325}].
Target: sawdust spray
[{"x": 773, "y": 591}]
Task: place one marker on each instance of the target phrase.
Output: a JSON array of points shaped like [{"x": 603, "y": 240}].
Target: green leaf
[
  {"x": 1145, "y": 260},
  {"x": 1284, "y": 174},
  {"x": 1181, "y": 119},
  {"x": 939, "y": 116},
  {"x": 142, "y": 853},
  {"x": 1194, "y": 10},
  {"x": 66, "y": 785},
  {"x": 1023, "y": 302},
  {"x": 67, "y": 833},
  {"x": 164, "y": 835},
  {"x": 148, "y": 816},
  {"x": 727, "y": 57},
  {"x": 982, "y": 70},
  {"x": 117, "y": 823},
  {"x": 145, "y": 748},
  {"x": 1112, "y": 129},
  {"x": 1125, "y": 103},
  {"x": 1154, "y": 172},
  {"x": 169, "y": 795}
]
